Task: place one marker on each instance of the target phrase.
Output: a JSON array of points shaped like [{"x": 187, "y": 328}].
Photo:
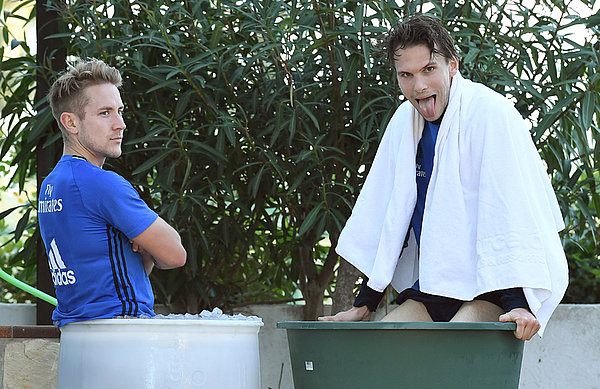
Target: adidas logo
[{"x": 57, "y": 267}]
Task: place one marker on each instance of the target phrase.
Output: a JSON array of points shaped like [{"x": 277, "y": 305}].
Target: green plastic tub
[{"x": 385, "y": 355}]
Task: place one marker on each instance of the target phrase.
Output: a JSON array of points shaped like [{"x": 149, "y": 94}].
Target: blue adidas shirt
[
  {"x": 424, "y": 160},
  {"x": 87, "y": 216}
]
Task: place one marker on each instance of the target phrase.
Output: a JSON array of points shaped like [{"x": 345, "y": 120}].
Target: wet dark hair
[{"x": 420, "y": 30}]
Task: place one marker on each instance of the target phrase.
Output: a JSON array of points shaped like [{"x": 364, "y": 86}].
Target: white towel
[{"x": 491, "y": 218}]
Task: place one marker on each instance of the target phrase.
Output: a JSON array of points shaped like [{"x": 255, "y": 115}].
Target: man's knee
[
  {"x": 410, "y": 310},
  {"x": 478, "y": 311}
]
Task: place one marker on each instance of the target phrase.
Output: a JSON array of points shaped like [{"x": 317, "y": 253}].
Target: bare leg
[
  {"x": 410, "y": 310},
  {"x": 478, "y": 311}
]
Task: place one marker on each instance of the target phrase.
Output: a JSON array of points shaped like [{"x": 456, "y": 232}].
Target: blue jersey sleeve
[{"x": 114, "y": 199}]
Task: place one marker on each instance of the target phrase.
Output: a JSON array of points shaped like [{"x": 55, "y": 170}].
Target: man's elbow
[
  {"x": 176, "y": 258},
  {"x": 181, "y": 257}
]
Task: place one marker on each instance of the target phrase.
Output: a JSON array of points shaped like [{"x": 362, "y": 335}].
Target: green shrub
[{"x": 252, "y": 124}]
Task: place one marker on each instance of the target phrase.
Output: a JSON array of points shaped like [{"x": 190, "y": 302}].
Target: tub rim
[
  {"x": 166, "y": 322},
  {"x": 380, "y": 325}
]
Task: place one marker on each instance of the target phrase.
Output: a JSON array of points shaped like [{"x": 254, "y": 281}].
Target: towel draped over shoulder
[{"x": 491, "y": 217}]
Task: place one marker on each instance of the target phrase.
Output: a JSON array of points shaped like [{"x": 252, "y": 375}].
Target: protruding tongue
[{"x": 427, "y": 106}]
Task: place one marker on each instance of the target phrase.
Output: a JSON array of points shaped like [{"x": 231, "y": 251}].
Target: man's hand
[
  {"x": 353, "y": 314},
  {"x": 162, "y": 243},
  {"x": 147, "y": 259},
  {"x": 527, "y": 324},
  {"x": 136, "y": 247}
]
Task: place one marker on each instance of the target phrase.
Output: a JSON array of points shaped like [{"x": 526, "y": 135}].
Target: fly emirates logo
[
  {"x": 51, "y": 205},
  {"x": 60, "y": 276}
]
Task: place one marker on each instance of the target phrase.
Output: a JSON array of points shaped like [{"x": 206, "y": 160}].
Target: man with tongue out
[{"x": 460, "y": 273}]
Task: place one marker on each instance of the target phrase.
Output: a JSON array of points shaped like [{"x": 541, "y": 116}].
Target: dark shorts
[{"x": 442, "y": 308}]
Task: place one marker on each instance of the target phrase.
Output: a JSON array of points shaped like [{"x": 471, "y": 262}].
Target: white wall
[
  {"x": 568, "y": 356},
  {"x": 274, "y": 354},
  {"x": 17, "y": 314}
]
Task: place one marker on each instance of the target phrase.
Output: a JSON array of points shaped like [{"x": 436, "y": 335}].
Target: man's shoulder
[
  {"x": 480, "y": 93},
  {"x": 487, "y": 114},
  {"x": 402, "y": 116},
  {"x": 94, "y": 183},
  {"x": 90, "y": 174},
  {"x": 482, "y": 102}
]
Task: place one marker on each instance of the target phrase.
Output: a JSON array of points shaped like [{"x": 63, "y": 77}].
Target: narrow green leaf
[
  {"x": 4, "y": 214},
  {"x": 186, "y": 176},
  {"x": 168, "y": 84},
  {"x": 255, "y": 182},
  {"x": 358, "y": 17},
  {"x": 366, "y": 47},
  {"x": 22, "y": 224},
  {"x": 550, "y": 118},
  {"x": 152, "y": 161},
  {"x": 310, "y": 115},
  {"x": 587, "y": 109},
  {"x": 182, "y": 103},
  {"x": 311, "y": 219}
]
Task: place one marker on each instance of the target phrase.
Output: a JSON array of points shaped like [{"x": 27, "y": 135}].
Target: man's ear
[
  {"x": 70, "y": 122},
  {"x": 453, "y": 65}
]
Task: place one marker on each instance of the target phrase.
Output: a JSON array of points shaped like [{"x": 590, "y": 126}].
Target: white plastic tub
[{"x": 159, "y": 354}]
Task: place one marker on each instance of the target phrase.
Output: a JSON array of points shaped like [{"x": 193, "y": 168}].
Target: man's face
[
  {"x": 101, "y": 128},
  {"x": 425, "y": 79}
]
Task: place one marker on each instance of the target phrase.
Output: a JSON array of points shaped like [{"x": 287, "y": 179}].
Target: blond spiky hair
[{"x": 67, "y": 93}]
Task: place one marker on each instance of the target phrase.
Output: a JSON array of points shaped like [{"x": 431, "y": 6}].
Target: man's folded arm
[{"x": 163, "y": 243}]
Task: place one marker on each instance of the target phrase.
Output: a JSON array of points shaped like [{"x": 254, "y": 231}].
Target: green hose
[{"x": 29, "y": 289}]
